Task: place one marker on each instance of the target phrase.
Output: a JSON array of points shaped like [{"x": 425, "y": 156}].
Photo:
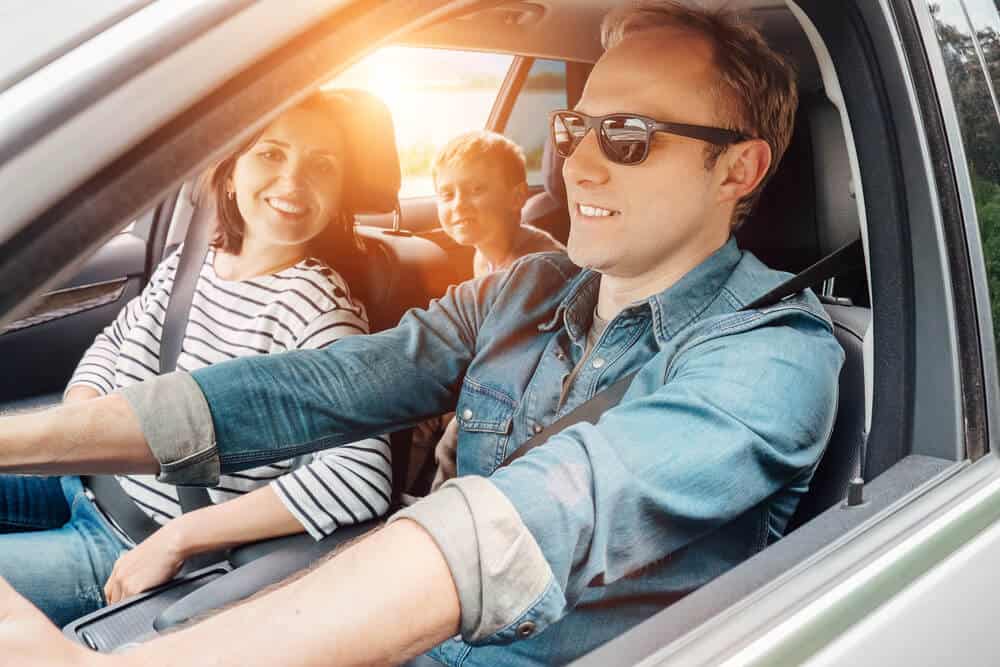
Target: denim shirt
[{"x": 700, "y": 466}]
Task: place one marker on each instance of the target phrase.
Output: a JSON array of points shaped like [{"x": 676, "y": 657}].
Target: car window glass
[
  {"x": 544, "y": 90},
  {"x": 984, "y": 18},
  {"x": 433, "y": 95},
  {"x": 969, "y": 34}
]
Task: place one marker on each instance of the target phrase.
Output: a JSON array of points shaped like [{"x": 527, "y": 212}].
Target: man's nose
[{"x": 586, "y": 165}]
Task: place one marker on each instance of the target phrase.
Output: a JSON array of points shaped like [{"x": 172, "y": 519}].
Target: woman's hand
[{"x": 156, "y": 560}]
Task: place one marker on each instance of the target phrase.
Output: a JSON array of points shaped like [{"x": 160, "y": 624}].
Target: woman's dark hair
[{"x": 338, "y": 245}]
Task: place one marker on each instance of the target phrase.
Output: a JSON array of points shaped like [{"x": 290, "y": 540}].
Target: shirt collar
[
  {"x": 574, "y": 311},
  {"x": 672, "y": 309}
]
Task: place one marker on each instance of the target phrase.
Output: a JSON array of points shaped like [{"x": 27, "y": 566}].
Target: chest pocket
[{"x": 484, "y": 417}]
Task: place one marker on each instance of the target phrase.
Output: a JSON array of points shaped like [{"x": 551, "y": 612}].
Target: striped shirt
[{"x": 306, "y": 306}]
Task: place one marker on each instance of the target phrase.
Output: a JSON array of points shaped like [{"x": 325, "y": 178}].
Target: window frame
[{"x": 958, "y": 201}]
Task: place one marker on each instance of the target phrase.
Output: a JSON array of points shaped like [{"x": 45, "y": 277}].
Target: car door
[{"x": 41, "y": 348}]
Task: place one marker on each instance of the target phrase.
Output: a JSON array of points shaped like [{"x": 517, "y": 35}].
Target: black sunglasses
[{"x": 624, "y": 138}]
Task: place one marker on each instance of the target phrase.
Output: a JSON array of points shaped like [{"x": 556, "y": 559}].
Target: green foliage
[
  {"x": 988, "y": 211},
  {"x": 415, "y": 160},
  {"x": 978, "y": 119},
  {"x": 546, "y": 81},
  {"x": 533, "y": 157}
]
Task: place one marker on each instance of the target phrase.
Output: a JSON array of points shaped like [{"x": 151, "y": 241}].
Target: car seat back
[
  {"x": 841, "y": 459},
  {"x": 807, "y": 211},
  {"x": 547, "y": 209}
]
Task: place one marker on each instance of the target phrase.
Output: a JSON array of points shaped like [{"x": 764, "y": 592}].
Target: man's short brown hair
[
  {"x": 756, "y": 92},
  {"x": 483, "y": 145}
]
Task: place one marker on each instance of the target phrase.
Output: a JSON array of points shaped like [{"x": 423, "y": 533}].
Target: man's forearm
[
  {"x": 96, "y": 436},
  {"x": 336, "y": 615}
]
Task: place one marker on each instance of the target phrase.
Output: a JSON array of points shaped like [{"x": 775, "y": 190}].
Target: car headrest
[
  {"x": 552, "y": 178},
  {"x": 372, "y": 144},
  {"x": 807, "y": 210}
]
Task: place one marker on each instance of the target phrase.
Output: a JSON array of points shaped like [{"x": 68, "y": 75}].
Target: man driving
[{"x": 698, "y": 467}]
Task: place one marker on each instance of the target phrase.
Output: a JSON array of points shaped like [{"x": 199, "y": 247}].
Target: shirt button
[
  {"x": 537, "y": 428},
  {"x": 525, "y": 630},
  {"x": 467, "y": 414},
  {"x": 598, "y": 362}
]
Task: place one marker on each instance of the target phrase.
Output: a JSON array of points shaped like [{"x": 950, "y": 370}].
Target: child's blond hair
[{"x": 485, "y": 145}]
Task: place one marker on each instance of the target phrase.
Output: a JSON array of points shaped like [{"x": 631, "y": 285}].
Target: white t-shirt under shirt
[{"x": 306, "y": 306}]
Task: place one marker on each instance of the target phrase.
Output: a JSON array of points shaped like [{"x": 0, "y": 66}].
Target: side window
[
  {"x": 968, "y": 32},
  {"x": 433, "y": 95},
  {"x": 544, "y": 90}
]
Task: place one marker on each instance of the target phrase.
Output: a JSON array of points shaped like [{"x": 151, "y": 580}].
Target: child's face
[{"x": 476, "y": 204}]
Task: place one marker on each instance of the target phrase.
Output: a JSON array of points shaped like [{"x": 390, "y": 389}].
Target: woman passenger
[{"x": 271, "y": 282}]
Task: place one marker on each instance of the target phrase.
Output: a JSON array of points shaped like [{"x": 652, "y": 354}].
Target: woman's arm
[
  {"x": 343, "y": 486},
  {"x": 80, "y": 392},
  {"x": 95, "y": 374},
  {"x": 255, "y": 516}
]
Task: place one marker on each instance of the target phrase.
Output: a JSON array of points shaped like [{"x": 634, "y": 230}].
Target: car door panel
[{"x": 41, "y": 349}]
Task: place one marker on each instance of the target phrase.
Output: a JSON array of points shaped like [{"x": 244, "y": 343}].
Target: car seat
[
  {"x": 807, "y": 211},
  {"x": 547, "y": 209}
]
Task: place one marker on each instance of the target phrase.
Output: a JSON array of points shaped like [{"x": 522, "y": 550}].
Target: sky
[{"x": 982, "y": 12}]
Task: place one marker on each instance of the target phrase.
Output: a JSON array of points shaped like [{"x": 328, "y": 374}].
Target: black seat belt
[
  {"x": 830, "y": 266},
  {"x": 196, "y": 243},
  {"x": 108, "y": 493}
]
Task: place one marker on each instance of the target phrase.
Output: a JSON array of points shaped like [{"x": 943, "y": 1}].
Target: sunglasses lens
[
  {"x": 567, "y": 131},
  {"x": 625, "y": 139}
]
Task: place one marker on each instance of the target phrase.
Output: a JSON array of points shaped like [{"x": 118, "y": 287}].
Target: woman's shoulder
[
  {"x": 320, "y": 282},
  {"x": 165, "y": 272}
]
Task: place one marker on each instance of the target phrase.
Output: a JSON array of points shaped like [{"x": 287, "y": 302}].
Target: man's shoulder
[
  {"x": 534, "y": 285},
  {"x": 553, "y": 263},
  {"x": 532, "y": 240},
  {"x": 796, "y": 322},
  {"x": 752, "y": 279}
]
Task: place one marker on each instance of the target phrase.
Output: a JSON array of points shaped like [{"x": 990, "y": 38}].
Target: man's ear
[{"x": 744, "y": 166}]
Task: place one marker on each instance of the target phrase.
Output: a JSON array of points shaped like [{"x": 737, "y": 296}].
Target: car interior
[{"x": 843, "y": 172}]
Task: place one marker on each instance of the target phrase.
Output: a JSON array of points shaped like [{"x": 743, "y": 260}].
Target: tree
[{"x": 980, "y": 126}]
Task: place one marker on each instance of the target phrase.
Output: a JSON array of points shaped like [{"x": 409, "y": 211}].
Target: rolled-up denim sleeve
[
  {"x": 273, "y": 407},
  {"x": 738, "y": 418},
  {"x": 177, "y": 425},
  {"x": 500, "y": 573}
]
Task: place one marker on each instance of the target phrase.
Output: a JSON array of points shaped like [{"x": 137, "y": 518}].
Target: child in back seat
[{"x": 481, "y": 183}]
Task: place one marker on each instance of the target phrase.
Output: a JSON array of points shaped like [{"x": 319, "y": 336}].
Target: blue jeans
[{"x": 55, "y": 547}]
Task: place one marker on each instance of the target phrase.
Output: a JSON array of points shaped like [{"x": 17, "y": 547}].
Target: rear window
[{"x": 433, "y": 95}]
